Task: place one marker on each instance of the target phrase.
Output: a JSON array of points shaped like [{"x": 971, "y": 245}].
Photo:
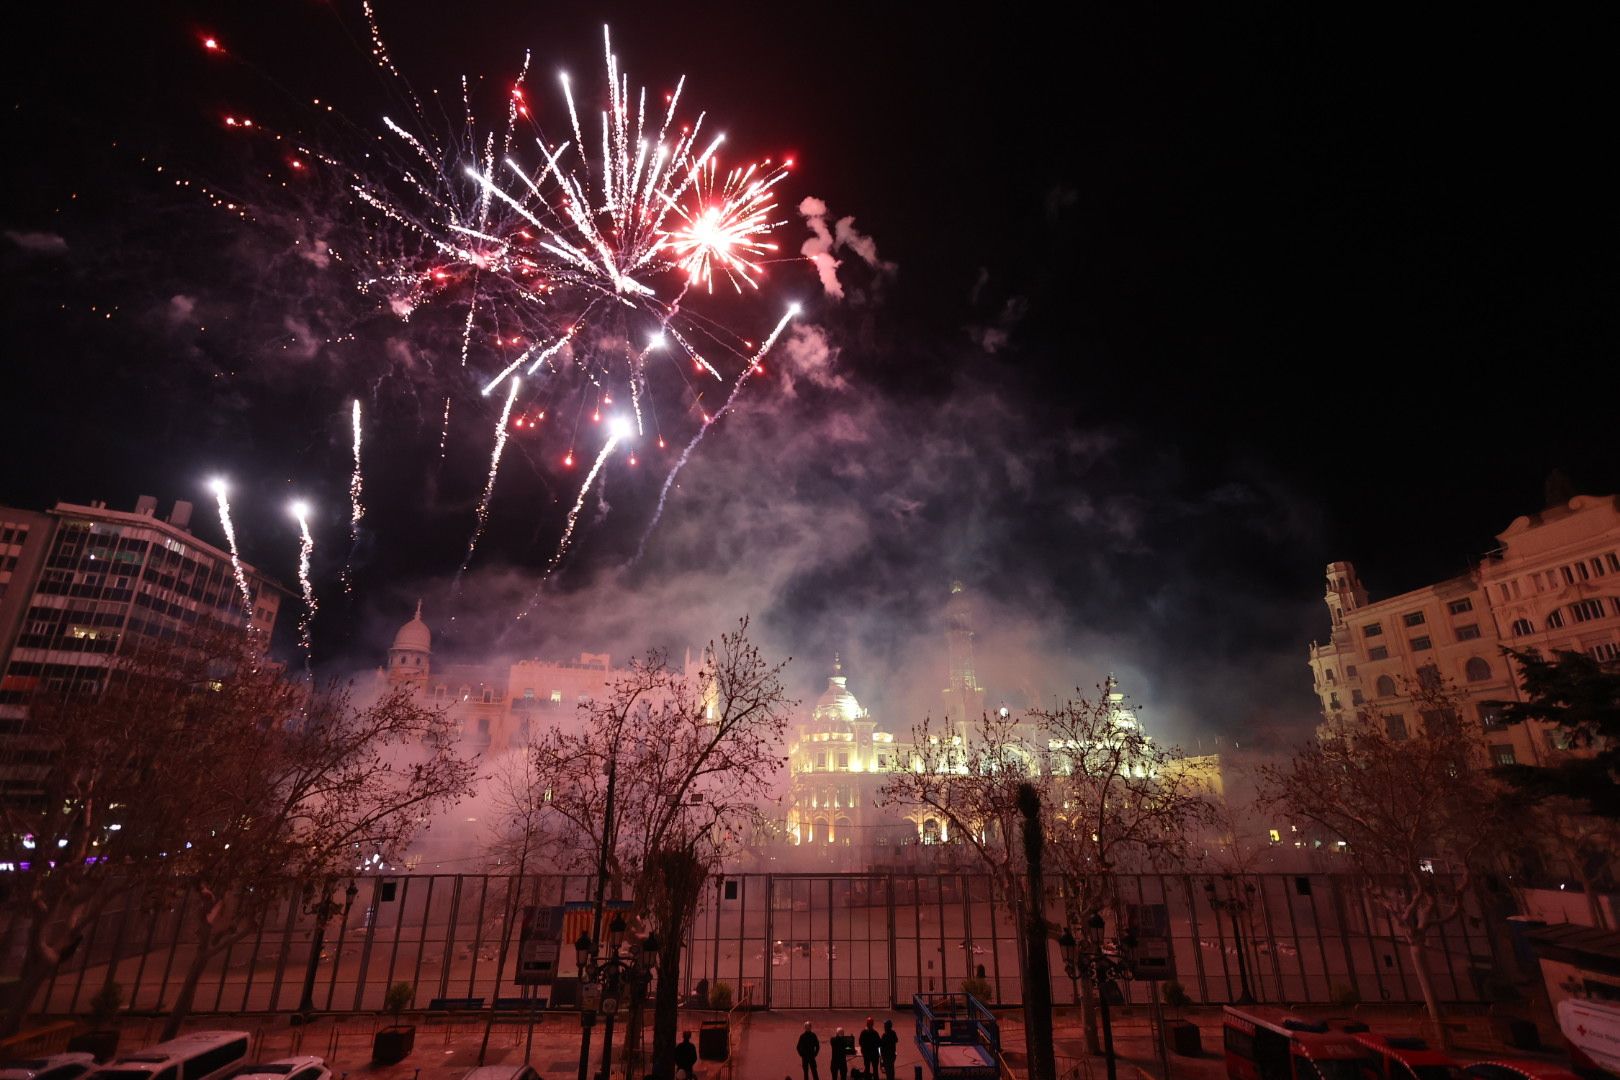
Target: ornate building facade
[{"x": 1553, "y": 584}]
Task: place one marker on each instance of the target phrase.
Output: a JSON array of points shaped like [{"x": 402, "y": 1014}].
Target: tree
[
  {"x": 105, "y": 784},
  {"x": 201, "y": 773},
  {"x": 690, "y": 760},
  {"x": 1583, "y": 842},
  {"x": 1581, "y": 696},
  {"x": 1119, "y": 802},
  {"x": 1416, "y": 817},
  {"x": 972, "y": 785},
  {"x": 312, "y": 791}
]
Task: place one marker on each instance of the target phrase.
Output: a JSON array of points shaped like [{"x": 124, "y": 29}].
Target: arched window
[
  {"x": 1478, "y": 669},
  {"x": 845, "y": 831},
  {"x": 818, "y": 828},
  {"x": 930, "y": 831},
  {"x": 1555, "y": 621},
  {"x": 1522, "y": 627},
  {"x": 1385, "y": 687}
]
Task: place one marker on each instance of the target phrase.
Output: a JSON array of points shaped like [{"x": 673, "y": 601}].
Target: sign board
[
  {"x": 1154, "y": 958},
  {"x": 539, "y": 945}
]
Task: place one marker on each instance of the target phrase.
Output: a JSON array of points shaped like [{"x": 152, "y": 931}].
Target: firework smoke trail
[
  {"x": 502, "y": 429},
  {"x": 708, "y": 422},
  {"x": 219, "y": 489},
  {"x": 357, "y": 509},
  {"x": 306, "y": 549}
]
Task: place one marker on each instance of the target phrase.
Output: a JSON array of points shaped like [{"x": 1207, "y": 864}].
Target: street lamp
[
  {"x": 605, "y": 976},
  {"x": 323, "y": 910},
  {"x": 1101, "y": 968},
  {"x": 1233, "y": 904}
]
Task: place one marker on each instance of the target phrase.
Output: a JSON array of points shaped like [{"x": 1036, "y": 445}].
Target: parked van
[
  {"x": 197, "y": 1055},
  {"x": 1272, "y": 1045}
]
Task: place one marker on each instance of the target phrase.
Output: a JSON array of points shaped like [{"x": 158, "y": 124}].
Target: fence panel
[{"x": 859, "y": 940}]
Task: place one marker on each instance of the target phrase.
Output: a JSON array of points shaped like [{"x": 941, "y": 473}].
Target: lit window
[
  {"x": 1276, "y": 836},
  {"x": 556, "y": 697}
]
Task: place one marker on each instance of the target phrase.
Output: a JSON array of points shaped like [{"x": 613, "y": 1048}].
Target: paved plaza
[{"x": 763, "y": 1043}]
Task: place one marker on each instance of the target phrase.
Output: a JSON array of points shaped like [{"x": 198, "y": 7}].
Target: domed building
[
  {"x": 839, "y": 758},
  {"x": 498, "y": 706},
  {"x": 410, "y": 658}
]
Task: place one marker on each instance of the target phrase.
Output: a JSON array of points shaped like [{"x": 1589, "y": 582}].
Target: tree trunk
[
  {"x": 666, "y": 1007},
  {"x": 37, "y": 968},
  {"x": 1038, "y": 982},
  {"x": 1420, "y": 968},
  {"x": 1594, "y": 903},
  {"x": 188, "y": 992},
  {"x": 679, "y": 877},
  {"x": 1088, "y": 1015}
]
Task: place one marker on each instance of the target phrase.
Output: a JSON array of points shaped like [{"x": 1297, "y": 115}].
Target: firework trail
[
  {"x": 502, "y": 429},
  {"x": 306, "y": 549},
  {"x": 619, "y": 430},
  {"x": 357, "y": 509},
  {"x": 219, "y": 488},
  {"x": 444, "y": 429},
  {"x": 709, "y": 421}
]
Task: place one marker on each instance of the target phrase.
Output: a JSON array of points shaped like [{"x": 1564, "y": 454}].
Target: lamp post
[
  {"x": 323, "y": 910},
  {"x": 1100, "y": 967},
  {"x": 606, "y": 975},
  {"x": 1233, "y": 904}
]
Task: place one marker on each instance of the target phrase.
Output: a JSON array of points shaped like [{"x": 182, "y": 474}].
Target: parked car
[
  {"x": 292, "y": 1068},
  {"x": 197, "y": 1055},
  {"x": 503, "y": 1072},
  {"x": 1516, "y": 1069},
  {"x": 50, "y": 1067}
]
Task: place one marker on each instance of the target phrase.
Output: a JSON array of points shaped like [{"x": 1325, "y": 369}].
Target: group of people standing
[{"x": 875, "y": 1048}]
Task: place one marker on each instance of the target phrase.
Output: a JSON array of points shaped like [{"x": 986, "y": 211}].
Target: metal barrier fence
[{"x": 790, "y": 940}]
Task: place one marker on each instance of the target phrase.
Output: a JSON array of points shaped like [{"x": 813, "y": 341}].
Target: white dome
[
  {"x": 836, "y": 702},
  {"x": 414, "y": 636}
]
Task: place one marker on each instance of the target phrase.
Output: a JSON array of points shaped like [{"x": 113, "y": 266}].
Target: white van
[{"x": 196, "y": 1055}]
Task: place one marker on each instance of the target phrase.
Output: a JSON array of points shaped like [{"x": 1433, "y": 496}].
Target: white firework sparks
[
  {"x": 220, "y": 488},
  {"x": 306, "y": 550},
  {"x": 357, "y": 508},
  {"x": 502, "y": 430}
]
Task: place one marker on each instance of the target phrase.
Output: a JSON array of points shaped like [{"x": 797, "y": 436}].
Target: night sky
[{"x": 1171, "y": 309}]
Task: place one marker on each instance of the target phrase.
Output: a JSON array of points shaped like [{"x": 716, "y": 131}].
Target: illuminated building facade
[
  {"x": 80, "y": 584},
  {"x": 1553, "y": 585},
  {"x": 77, "y": 583},
  {"x": 838, "y": 761},
  {"x": 499, "y": 707}
]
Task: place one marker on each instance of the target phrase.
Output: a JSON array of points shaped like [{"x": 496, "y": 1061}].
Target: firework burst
[{"x": 581, "y": 259}]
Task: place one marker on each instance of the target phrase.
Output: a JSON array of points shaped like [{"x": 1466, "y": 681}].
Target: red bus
[{"x": 1268, "y": 1045}]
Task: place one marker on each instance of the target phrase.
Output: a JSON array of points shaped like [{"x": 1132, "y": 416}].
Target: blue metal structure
[{"x": 958, "y": 1036}]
